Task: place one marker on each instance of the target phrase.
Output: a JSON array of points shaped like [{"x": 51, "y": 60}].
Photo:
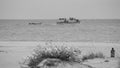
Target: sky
[{"x": 51, "y": 9}]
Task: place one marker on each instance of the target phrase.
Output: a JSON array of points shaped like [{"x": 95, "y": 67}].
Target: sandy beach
[{"x": 12, "y": 53}]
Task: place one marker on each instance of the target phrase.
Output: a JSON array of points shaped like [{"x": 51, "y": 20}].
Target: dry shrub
[
  {"x": 92, "y": 56},
  {"x": 63, "y": 53}
]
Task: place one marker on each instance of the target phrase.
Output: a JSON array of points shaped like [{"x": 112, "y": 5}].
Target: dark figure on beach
[{"x": 112, "y": 52}]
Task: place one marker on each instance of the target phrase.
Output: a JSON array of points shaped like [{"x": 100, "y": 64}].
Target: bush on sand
[
  {"x": 62, "y": 53},
  {"x": 92, "y": 56}
]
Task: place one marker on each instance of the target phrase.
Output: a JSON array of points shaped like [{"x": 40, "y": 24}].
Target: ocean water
[{"x": 87, "y": 30}]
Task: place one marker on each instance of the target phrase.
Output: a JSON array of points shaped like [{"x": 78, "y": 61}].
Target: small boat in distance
[
  {"x": 68, "y": 21},
  {"x": 35, "y": 23}
]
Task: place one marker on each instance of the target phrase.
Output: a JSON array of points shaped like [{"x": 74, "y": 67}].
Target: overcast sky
[{"x": 49, "y": 9}]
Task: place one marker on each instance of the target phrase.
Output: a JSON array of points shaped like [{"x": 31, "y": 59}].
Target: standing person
[{"x": 112, "y": 52}]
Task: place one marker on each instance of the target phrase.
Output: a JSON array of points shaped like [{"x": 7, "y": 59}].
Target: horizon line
[{"x": 63, "y": 17}]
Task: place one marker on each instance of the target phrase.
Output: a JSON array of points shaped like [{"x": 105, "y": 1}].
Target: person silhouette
[{"x": 112, "y": 52}]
